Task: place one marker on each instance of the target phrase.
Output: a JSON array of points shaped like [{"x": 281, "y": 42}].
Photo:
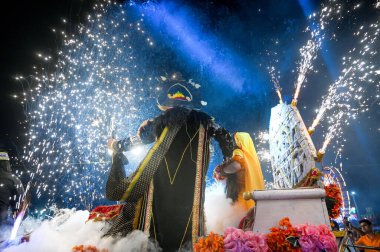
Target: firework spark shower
[{"x": 99, "y": 75}]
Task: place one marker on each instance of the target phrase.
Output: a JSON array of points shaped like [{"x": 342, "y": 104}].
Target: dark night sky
[{"x": 26, "y": 29}]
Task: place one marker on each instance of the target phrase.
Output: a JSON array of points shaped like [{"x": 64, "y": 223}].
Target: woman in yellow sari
[{"x": 243, "y": 173}]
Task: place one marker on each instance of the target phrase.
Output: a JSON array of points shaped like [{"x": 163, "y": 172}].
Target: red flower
[
  {"x": 334, "y": 192},
  {"x": 87, "y": 248}
]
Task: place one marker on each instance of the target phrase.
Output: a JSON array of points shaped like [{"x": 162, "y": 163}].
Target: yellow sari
[{"x": 251, "y": 175}]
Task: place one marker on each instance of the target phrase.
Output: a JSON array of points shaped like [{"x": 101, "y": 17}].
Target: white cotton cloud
[
  {"x": 219, "y": 211},
  {"x": 5, "y": 232},
  {"x": 27, "y": 225},
  {"x": 69, "y": 229}
]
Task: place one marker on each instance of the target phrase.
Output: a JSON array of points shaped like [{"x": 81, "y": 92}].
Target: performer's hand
[
  {"x": 217, "y": 174},
  {"x": 25, "y": 238},
  {"x": 110, "y": 144},
  {"x": 142, "y": 126}
]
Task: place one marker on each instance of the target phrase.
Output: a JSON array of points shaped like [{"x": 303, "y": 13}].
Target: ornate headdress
[{"x": 177, "y": 92}]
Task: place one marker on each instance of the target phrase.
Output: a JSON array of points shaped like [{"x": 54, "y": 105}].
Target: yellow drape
[{"x": 252, "y": 174}]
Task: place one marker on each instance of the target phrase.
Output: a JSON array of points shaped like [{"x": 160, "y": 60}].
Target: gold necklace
[{"x": 171, "y": 180}]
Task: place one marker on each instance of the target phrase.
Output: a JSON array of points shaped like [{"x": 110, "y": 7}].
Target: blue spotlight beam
[{"x": 198, "y": 46}]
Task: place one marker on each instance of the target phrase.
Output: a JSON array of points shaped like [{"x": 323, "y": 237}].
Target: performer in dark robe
[
  {"x": 11, "y": 191},
  {"x": 164, "y": 197}
]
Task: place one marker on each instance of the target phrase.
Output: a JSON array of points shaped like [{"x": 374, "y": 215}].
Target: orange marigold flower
[
  {"x": 87, "y": 248},
  {"x": 277, "y": 238},
  {"x": 334, "y": 192},
  {"x": 211, "y": 243}
]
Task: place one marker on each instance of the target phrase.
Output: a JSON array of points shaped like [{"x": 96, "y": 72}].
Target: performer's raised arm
[
  {"x": 117, "y": 181},
  {"x": 131, "y": 188}
]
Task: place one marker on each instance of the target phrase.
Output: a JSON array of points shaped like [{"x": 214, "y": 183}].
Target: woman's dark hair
[{"x": 233, "y": 187}]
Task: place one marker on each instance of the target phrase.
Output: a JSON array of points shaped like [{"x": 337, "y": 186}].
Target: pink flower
[
  {"x": 229, "y": 231},
  {"x": 238, "y": 235},
  {"x": 263, "y": 241},
  {"x": 230, "y": 245},
  {"x": 233, "y": 239},
  {"x": 259, "y": 239},
  {"x": 307, "y": 244},
  {"x": 327, "y": 243},
  {"x": 237, "y": 240},
  {"x": 256, "y": 243},
  {"x": 235, "y": 234},
  {"x": 251, "y": 246},
  {"x": 311, "y": 230},
  {"x": 300, "y": 229},
  {"x": 325, "y": 230}
]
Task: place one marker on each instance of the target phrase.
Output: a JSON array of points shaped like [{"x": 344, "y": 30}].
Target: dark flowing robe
[
  {"x": 165, "y": 195},
  {"x": 11, "y": 190}
]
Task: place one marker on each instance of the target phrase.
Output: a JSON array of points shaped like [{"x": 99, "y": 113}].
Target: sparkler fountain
[{"x": 292, "y": 151}]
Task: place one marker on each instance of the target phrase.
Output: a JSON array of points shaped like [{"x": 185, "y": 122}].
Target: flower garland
[
  {"x": 279, "y": 237},
  {"x": 310, "y": 179},
  {"x": 285, "y": 237},
  {"x": 236, "y": 240},
  {"x": 211, "y": 243},
  {"x": 316, "y": 238},
  {"x": 333, "y": 194},
  {"x": 87, "y": 248}
]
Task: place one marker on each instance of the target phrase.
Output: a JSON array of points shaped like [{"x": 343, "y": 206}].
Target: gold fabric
[
  {"x": 135, "y": 189},
  {"x": 251, "y": 176}
]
